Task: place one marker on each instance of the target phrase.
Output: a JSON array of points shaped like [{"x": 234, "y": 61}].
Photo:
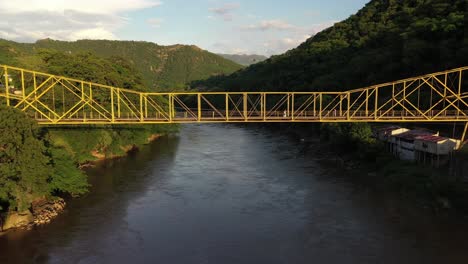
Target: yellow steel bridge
[{"x": 59, "y": 100}]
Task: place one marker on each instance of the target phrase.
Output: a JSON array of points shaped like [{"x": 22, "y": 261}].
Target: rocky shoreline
[{"x": 42, "y": 212}]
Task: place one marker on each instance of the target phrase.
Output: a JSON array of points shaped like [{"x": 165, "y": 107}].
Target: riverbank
[
  {"x": 366, "y": 160},
  {"x": 44, "y": 210}
]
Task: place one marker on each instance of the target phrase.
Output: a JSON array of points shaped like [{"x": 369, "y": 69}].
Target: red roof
[
  {"x": 387, "y": 130},
  {"x": 430, "y": 138},
  {"x": 413, "y": 134}
]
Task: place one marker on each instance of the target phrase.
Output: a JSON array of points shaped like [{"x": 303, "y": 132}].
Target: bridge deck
[{"x": 58, "y": 100}]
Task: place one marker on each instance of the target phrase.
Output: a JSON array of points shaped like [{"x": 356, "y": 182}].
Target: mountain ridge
[
  {"x": 162, "y": 67},
  {"x": 243, "y": 59}
]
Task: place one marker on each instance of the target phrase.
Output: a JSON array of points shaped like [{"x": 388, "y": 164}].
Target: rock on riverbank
[{"x": 42, "y": 212}]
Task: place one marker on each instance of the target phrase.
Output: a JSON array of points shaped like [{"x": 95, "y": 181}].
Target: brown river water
[{"x": 228, "y": 194}]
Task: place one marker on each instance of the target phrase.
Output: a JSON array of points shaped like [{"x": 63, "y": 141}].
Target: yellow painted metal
[
  {"x": 244, "y": 97},
  {"x": 226, "y": 106},
  {"x": 199, "y": 107},
  {"x": 436, "y": 97},
  {"x": 7, "y": 85},
  {"x": 463, "y": 138},
  {"x": 112, "y": 104}
]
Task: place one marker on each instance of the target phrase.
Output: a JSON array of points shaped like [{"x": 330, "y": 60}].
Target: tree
[{"x": 24, "y": 165}]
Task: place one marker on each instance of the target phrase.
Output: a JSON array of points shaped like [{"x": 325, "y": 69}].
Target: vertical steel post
[
  {"x": 404, "y": 98},
  {"x": 170, "y": 105},
  {"x": 460, "y": 82},
  {"x": 264, "y": 106},
  {"x": 82, "y": 97},
  {"x": 23, "y": 88},
  {"x": 112, "y": 105},
  {"x": 341, "y": 105},
  {"x": 146, "y": 106},
  {"x": 348, "y": 115},
  {"x": 90, "y": 100},
  {"x": 367, "y": 103},
  {"x": 227, "y": 106},
  {"x": 118, "y": 103},
  {"x": 445, "y": 90},
  {"x": 7, "y": 85},
  {"x": 464, "y": 134},
  {"x": 173, "y": 106},
  {"x": 376, "y": 106},
  {"x": 245, "y": 106},
  {"x": 35, "y": 87},
  {"x": 320, "y": 106},
  {"x": 141, "y": 108},
  {"x": 315, "y": 105},
  {"x": 199, "y": 106},
  {"x": 292, "y": 106}
]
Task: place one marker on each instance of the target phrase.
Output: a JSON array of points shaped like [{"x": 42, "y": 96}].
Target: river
[{"x": 229, "y": 194}]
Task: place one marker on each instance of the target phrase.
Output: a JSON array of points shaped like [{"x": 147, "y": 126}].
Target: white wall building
[{"x": 403, "y": 144}]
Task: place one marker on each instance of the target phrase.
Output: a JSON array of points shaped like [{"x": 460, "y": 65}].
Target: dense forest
[
  {"x": 386, "y": 40},
  {"x": 161, "y": 67}
]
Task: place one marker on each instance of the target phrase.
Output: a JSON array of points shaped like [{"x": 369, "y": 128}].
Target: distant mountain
[
  {"x": 162, "y": 67},
  {"x": 386, "y": 40},
  {"x": 244, "y": 59}
]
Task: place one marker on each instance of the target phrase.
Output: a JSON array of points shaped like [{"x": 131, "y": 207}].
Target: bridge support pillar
[{"x": 464, "y": 134}]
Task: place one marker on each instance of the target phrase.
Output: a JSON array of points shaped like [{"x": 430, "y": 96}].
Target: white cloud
[
  {"x": 281, "y": 45},
  {"x": 294, "y": 38},
  {"x": 269, "y": 38},
  {"x": 225, "y": 11},
  {"x": 65, "y": 20},
  {"x": 85, "y": 6},
  {"x": 155, "y": 22},
  {"x": 271, "y": 25}
]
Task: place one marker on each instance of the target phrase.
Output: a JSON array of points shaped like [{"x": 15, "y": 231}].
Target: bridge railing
[{"x": 58, "y": 100}]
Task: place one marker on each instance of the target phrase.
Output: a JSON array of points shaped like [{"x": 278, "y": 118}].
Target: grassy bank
[{"x": 84, "y": 145}]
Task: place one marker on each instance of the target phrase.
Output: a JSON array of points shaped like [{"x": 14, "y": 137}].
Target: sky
[{"x": 265, "y": 27}]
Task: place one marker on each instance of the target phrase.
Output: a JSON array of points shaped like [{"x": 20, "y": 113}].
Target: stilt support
[{"x": 463, "y": 138}]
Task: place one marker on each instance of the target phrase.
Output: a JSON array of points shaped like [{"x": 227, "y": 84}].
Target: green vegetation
[
  {"x": 160, "y": 67},
  {"x": 113, "y": 71},
  {"x": 28, "y": 169},
  {"x": 386, "y": 40},
  {"x": 89, "y": 144},
  {"x": 37, "y": 163}
]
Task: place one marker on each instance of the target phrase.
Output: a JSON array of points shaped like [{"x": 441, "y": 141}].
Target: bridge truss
[{"x": 59, "y": 100}]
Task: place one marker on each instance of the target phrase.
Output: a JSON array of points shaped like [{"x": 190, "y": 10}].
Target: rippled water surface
[{"x": 226, "y": 194}]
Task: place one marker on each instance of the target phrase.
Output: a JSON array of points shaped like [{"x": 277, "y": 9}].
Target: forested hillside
[
  {"x": 384, "y": 41},
  {"x": 161, "y": 67}
]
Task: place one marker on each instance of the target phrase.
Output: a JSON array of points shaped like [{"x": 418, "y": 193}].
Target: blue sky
[{"x": 260, "y": 27}]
